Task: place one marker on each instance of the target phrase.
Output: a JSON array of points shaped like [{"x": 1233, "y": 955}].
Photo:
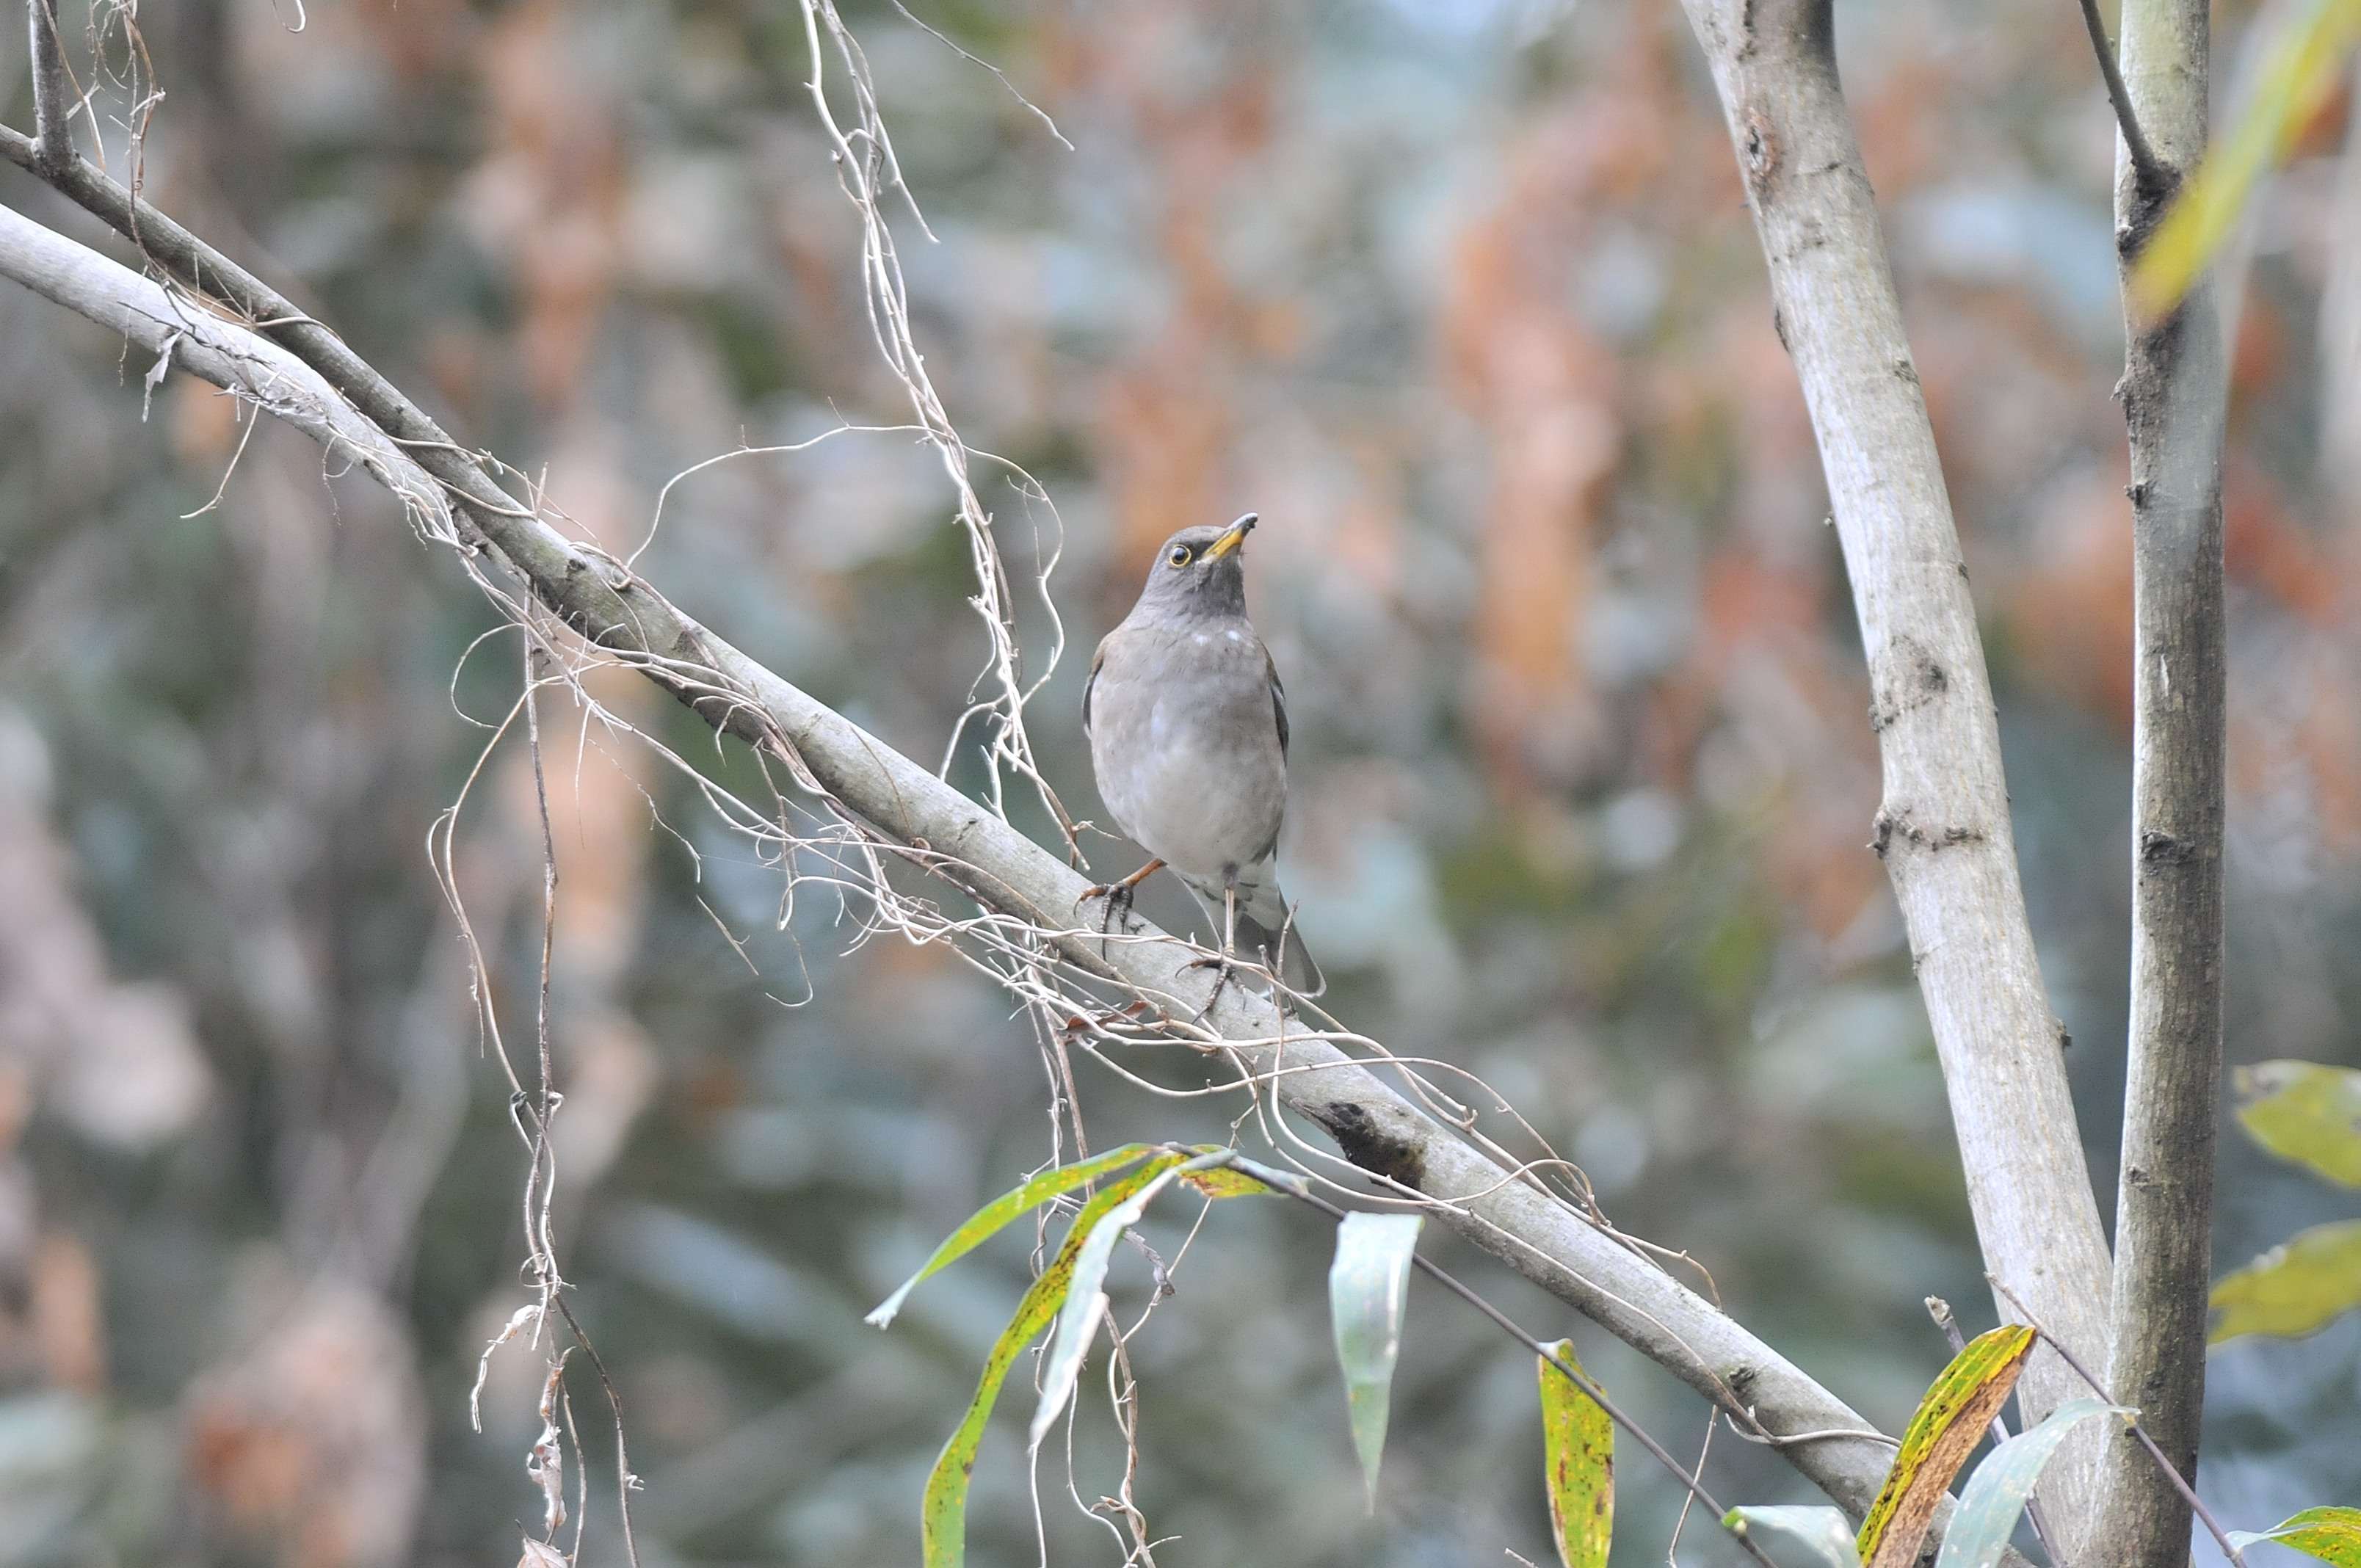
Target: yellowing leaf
[
  {"x": 1951, "y": 1420},
  {"x": 980, "y": 1227},
  {"x": 942, "y": 1522},
  {"x": 2295, "y": 83},
  {"x": 2303, "y": 1112},
  {"x": 2295, "y": 1288},
  {"x": 1578, "y": 1459},
  {"x": 2333, "y": 1535},
  {"x": 1221, "y": 1183}
]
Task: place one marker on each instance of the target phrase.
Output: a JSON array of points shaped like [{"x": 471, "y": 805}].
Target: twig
[
  {"x": 624, "y": 1479},
  {"x": 53, "y": 146},
  {"x": 2188, "y": 1493},
  {"x": 1941, "y": 1311},
  {"x": 2155, "y": 179},
  {"x": 1297, "y": 1188}
]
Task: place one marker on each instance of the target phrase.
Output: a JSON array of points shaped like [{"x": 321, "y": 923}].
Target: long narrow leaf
[
  {"x": 2333, "y": 1535},
  {"x": 2296, "y": 1289},
  {"x": 943, "y": 1515},
  {"x": 2305, "y": 1112},
  {"x": 1219, "y": 1182},
  {"x": 1949, "y": 1423},
  {"x": 1367, "y": 1286},
  {"x": 1029, "y": 1195},
  {"x": 1816, "y": 1526},
  {"x": 1578, "y": 1459},
  {"x": 1085, "y": 1303},
  {"x": 1988, "y": 1511}
]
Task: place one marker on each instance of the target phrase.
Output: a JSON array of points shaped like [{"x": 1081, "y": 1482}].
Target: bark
[
  {"x": 2172, "y": 394},
  {"x": 1377, "y": 1128},
  {"x": 1943, "y": 827},
  {"x": 52, "y": 97}
]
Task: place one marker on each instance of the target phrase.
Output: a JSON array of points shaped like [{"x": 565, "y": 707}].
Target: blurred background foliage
[{"x": 1461, "y": 296}]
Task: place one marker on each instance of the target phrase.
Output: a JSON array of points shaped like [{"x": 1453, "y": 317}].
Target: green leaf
[
  {"x": 1949, "y": 1423},
  {"x": 1033, "y": 1193},
  {"x": 1818, "y": 1526},
  {"x": 2303, "y": 1112},
  {"x": 2296, "y": 82},
  {"x": 1084, "y": 1302},
  {"x": 1578, "y": 1460},
  {"x": 2333, "y": 1535},
  {"x": 2296, "y": 1289},
  {"x": 943, "y": 1515},
  {"x": 1988, "y": 1511},
  {"x": 1367, "y": 1286}
]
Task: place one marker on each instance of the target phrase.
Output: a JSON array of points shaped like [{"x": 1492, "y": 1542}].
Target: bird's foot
[
  {"x": 1224, "y": 965},
  {"x": 1117, "y": 905}
]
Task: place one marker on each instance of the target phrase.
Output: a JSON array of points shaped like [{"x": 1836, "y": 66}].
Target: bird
[{"x": 1187, "y": 730}]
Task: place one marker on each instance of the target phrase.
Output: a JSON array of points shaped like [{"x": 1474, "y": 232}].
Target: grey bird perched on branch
[{"x": 1187, "y": 727}]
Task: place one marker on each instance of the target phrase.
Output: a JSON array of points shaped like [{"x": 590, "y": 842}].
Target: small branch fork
[
  {"x": 2156, "y": 180},
  {"x": 53, "y": 94}
]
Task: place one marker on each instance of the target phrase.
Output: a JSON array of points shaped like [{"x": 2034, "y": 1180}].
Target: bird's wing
[
  {"x": 1090, "y": 685},
  {"x": 1278, "y": 700}
]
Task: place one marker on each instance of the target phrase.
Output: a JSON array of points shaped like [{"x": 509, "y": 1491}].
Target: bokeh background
[{"x": 1461, "y": 296}]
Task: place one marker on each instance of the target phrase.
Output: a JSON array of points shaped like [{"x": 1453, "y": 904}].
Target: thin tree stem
[
  {"x": 2173, "y": 390},
  {"x": 52, "y": 107},
  {"x": 2154, "y": 177}
]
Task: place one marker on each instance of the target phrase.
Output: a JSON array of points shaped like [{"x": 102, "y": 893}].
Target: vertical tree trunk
[
  {"x": 2173, "y": 391},
  {"x": 1943, "y": 828}
]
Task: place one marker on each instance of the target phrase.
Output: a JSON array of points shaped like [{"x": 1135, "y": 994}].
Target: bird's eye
[{"x": 1179, "y": 556}]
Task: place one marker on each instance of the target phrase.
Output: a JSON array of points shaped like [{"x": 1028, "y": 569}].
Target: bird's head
[{"x": 1202, "y": 570}]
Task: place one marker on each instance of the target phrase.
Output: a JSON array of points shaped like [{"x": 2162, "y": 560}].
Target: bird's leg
[
  {"x": 1118, "y": 897},
  {"x": 1222, "y": 965}
]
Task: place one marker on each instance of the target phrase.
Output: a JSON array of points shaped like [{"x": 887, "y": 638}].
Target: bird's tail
[{"x": 1295, "y": 965}]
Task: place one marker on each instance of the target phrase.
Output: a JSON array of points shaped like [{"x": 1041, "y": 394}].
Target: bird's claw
[
  {"x": 1224, "y": 966},
  {"x": 1118, "y": 897}
]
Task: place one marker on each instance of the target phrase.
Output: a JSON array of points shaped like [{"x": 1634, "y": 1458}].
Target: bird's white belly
[{"x": 1200, "y": 812}]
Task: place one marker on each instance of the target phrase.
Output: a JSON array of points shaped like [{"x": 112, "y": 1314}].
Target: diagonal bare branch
[{"x": 1410, "y": 1155}]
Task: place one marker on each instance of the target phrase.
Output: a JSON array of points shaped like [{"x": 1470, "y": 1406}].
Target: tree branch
[
  {"x": 1943, "y": 826},
  {"x": 2155, "y": 181},
  {"x": 1379, "y": 1130},
  {"x": 52, "y": 109},
  {"x": 2173, "y": 391}
]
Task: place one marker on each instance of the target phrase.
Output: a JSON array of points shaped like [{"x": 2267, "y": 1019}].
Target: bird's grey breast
[{"x": 1184, "y": 739}]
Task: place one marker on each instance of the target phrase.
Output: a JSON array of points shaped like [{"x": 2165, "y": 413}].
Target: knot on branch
[
  {"x": 2163, "y": 849},
  {"x": 1893, "y": 826},
  {"x": 1760, "y": 152},
  {"x": 1374, "y": 1147}
]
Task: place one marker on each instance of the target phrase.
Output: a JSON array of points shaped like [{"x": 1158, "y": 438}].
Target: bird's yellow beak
[{"x": 1232, "y": 539}]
